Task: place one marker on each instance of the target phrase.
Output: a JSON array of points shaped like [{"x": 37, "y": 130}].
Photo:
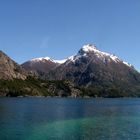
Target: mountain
[
  {"x": 41, "y": 65},
  {"x": 46, "y": 64},
  {"x": 93, "y": 69},
  {"x": 89, "y": 60},
  {"x": 9, "y": 69}
]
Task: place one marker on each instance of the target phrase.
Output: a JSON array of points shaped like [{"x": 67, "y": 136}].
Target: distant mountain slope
[
  {"x": 41, "y": 65},
  {"x": 10, "y": 69}
]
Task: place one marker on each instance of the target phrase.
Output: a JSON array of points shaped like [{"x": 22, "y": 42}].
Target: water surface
[{"x": 69, "y": 119}]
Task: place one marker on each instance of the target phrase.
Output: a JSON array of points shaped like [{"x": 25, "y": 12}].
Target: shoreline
[{"x": 69, "y": 97}]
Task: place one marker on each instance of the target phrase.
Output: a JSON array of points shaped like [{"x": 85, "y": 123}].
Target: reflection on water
[{"x": 71, "y": 119}]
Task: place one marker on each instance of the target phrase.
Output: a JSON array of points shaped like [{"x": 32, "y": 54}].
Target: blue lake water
[{"x": 69, "y": 119}]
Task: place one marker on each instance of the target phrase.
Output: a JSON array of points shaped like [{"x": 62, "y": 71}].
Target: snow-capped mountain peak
[
  {"x": 40, "y": 59},
  {"x": 103, "y": 56},
  {"x": 43, "y": 59},
  {"x": 60, "y": 61},
  {"x": 89, "y": 48}
]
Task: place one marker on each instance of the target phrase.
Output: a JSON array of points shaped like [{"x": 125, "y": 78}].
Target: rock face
[{"x": 10, "y": 69}]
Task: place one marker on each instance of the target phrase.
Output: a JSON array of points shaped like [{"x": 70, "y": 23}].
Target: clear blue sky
[{"x": 59, "y": 28}]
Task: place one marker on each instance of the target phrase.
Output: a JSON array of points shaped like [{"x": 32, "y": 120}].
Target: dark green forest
[{"x": 38, "y": 87}]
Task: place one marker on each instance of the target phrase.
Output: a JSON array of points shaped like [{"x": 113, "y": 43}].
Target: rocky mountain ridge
[
  {"x": 9, "y": 69},
  {"x": 46, "y": 64}
]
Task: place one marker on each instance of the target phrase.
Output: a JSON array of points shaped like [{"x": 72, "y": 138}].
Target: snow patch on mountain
[
  {"x": 42, "y": 59},
  {"x": 128, "y": 64},
  {"x": 89, "y": 48},
  {"x": 71, "y": 58},
  {"x": 60, "y": 61}
]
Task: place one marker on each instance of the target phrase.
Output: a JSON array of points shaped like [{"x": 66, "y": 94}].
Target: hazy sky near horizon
[{"x": 59, "y": 28}]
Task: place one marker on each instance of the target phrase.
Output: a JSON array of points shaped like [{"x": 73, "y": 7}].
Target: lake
[{"x": 69, "y": 119}]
